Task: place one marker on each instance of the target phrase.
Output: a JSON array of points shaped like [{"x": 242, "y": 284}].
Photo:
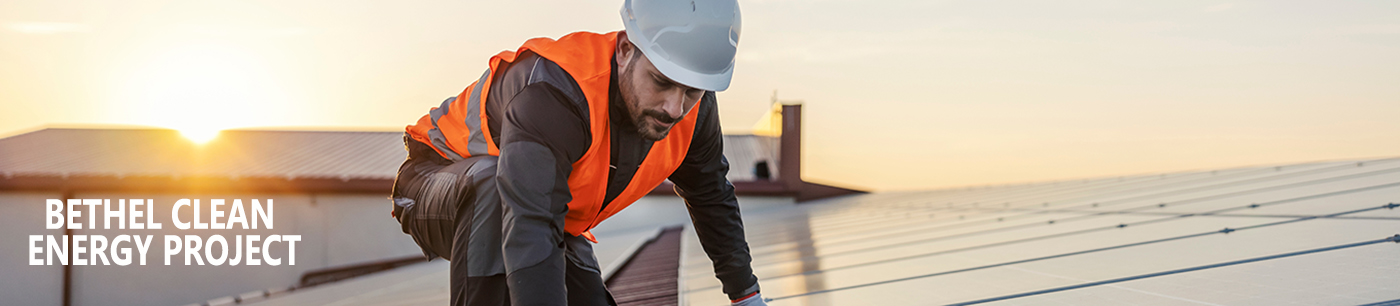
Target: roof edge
[{"x": 200, "y": 184}]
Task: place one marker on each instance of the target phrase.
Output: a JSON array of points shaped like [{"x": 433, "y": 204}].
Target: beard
[{"x": 650, "y": 129}]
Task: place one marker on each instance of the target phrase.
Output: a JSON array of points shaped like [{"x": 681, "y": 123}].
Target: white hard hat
[{"x": 690, "y": 41}]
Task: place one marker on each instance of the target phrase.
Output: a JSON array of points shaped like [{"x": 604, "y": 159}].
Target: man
[{"x": 506, "y": 179}]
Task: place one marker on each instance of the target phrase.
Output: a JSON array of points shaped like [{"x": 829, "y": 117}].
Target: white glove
[{"x": 753, "y": 300}]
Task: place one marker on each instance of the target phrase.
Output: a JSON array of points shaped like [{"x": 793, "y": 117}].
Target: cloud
[
  {"x": 48, "y": 28},
  {"x": 1219, "y": 7}
]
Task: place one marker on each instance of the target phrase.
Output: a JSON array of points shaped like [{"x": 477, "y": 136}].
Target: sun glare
[
  {"x": 200, "y": 89},
  {"x": 199, "y": 136}
]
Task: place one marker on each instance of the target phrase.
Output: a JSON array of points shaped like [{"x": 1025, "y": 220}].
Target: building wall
[
  {"x": 21, "y": 283},
  {"x": 336, "y": 229}
]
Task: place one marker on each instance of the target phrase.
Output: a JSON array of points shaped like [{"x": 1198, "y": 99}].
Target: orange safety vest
[{"x": 462, "y": 131}]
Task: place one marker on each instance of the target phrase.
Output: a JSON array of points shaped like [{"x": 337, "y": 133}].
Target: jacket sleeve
[
  {"x": 714, "y": 210},
  {"x": 542, "y": 135}
]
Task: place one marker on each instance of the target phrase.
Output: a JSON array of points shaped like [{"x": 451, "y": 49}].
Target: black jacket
[{"x": 539, "y": 118}]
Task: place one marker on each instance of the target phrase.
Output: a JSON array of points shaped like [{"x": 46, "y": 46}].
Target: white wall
[
  {"x": 21, "y": 215},
  {"x": 336, "y": 229}
]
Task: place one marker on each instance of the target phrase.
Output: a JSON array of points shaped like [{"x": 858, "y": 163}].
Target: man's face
[{"x": 654, "y": 103}]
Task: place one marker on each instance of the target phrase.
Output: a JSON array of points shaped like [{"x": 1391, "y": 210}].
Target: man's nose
[{"x": 674, "y": 106}]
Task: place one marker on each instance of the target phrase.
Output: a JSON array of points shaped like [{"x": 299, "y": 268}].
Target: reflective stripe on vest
[{"x": 454, "y": 127}]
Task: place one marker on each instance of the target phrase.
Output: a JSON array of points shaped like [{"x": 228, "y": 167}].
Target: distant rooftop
[
  {"x": 233, "y": 154},
  {"x": 262, "y": 160},
  {"x": 142, "y": 159}
]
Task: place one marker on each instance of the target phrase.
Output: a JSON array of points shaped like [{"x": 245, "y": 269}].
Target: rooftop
[{"x": 1320, "y": 233}]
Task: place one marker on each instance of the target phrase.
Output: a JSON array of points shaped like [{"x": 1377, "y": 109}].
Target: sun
[
  {"x": 198, "y": 135},
  {"x": 202, "y": 88}
]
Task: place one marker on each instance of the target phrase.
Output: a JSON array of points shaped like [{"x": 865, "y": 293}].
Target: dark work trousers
[{"x": 452, "y": 210}]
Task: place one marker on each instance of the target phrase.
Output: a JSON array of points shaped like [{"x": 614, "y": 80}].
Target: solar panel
[
  {"x": 1351, "y": 276},
  {"x": 1317, "y": 233},
  {"x": 1305, "y": 234}
]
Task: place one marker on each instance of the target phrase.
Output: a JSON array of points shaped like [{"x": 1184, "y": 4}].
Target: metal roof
[
  {"x": 233, "y": 154},
  {"x": 745, "y": 151},
  {"x": 649, "y": 277},
  {"x": 1302, "y": 234}
]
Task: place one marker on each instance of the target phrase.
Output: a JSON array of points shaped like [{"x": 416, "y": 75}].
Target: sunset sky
[{"x": 898, "y": 94}]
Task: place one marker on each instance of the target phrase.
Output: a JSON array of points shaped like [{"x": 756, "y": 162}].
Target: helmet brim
[{"x": 710, "y": 80}]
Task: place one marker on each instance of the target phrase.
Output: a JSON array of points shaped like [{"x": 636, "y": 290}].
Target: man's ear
[{"x": 623, "y": 51}]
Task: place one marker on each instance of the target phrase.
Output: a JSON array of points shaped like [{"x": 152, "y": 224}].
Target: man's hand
[{"x": 752, "y": 300}]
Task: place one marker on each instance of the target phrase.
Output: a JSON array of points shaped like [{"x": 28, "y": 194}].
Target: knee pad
[{"x": 430, "y": 200}]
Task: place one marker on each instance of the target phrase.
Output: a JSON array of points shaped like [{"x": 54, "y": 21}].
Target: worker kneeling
[{"x": 506, "y": 179}]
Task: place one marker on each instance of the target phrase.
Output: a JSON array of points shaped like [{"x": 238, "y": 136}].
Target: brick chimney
[{"x": 790, "y": 148}]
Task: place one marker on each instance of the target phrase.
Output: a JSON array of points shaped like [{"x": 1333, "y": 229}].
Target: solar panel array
[{"x": 1320, "y": 233}]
